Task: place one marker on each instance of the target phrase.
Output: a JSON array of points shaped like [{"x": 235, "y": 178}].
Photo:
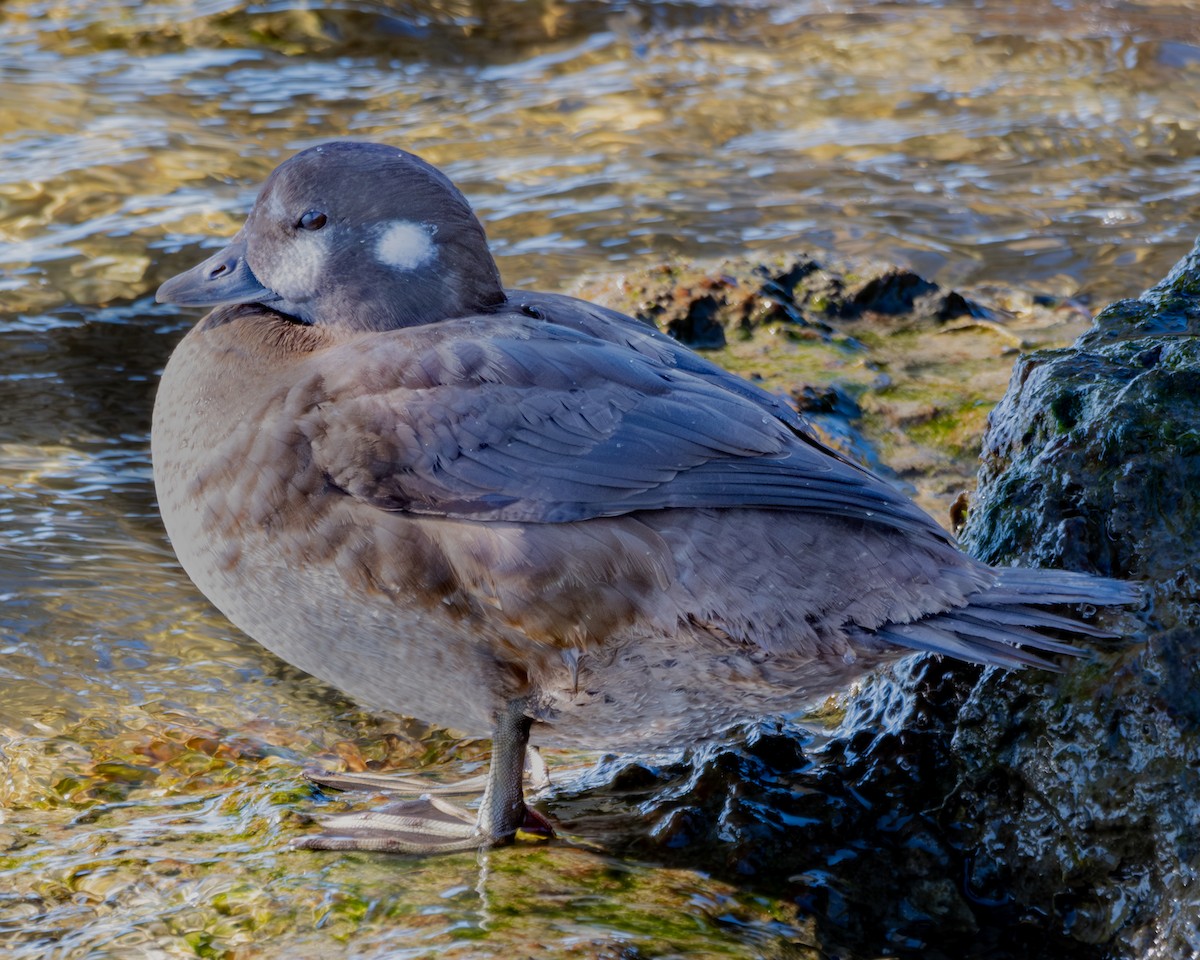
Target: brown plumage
[{"x": 491, "y": 508}]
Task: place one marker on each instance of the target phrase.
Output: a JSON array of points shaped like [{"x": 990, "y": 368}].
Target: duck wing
[{"x": 552, "y": 410}]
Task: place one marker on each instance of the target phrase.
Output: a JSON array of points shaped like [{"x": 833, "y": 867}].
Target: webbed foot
[
  {"x": 425, "y": 823},
  {"x": 401, "y": 785},
  {"x": 424, "y": 826}
]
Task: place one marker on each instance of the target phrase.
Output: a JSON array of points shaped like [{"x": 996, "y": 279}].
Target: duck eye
[{"x": 313, "y": 220}]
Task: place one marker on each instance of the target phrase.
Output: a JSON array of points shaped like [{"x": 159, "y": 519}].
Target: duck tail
[{"x": 1002, "y": 625}]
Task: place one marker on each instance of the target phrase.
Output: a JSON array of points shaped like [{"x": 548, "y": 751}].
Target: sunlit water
[{"x": 1051, "y": 146}]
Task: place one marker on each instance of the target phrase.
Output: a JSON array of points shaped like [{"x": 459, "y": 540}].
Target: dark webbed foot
[{"x": 425, "y": 823}]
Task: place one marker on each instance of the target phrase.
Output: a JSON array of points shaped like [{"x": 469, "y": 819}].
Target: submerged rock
[{"x": 962, "y": 813}]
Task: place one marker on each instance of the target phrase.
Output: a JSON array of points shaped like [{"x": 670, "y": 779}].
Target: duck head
[{"x": 358, "y": 235}]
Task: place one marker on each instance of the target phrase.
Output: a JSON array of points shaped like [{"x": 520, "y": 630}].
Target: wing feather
[{"x": 570, "y": 413}]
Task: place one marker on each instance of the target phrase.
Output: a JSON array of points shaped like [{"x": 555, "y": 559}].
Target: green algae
[{"x": 181, "y": 836}]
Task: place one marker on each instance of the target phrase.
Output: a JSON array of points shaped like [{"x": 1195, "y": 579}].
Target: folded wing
[{"x": 555, "y": 411}]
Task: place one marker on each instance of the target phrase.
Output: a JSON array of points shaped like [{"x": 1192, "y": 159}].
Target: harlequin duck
[{"x": 503, "y": 512}]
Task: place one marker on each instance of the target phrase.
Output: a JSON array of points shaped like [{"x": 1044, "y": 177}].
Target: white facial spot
[
  {"x": 294, "y": 275},
  {"x": 404, "y": 245}
]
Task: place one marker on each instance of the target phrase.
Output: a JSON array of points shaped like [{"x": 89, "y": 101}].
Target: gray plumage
[{"x": 444, "y": 497}]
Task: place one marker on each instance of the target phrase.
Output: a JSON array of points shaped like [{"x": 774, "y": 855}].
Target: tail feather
[
  {"x": 980, "y": 627},
  {"x": 984, "y": 612},
  {"x": 1041, "y": 586},
  {"x": 940, "y": 635},
  {"x": 1001, "y": 624}
]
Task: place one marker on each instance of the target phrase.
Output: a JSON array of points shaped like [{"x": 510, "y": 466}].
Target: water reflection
[
  {"x": 1049, "y": 145},
  {"x": 940, "y": 133}
]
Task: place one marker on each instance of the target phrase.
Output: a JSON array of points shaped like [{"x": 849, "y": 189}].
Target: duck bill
[{"x": 225, "y": 277}]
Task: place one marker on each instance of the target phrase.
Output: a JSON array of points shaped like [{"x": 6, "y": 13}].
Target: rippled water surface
[{"x": 150, "y": 754}]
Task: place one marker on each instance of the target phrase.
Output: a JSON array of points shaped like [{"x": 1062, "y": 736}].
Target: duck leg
[{"x": 429, "y": 824}]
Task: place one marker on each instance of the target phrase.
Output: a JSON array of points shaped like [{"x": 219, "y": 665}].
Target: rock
[
  {"x": 830, "y": 399},
  {"x": 905, "y": 393},
  {"x": 1092, "y": 459},
  {"x": 862, "y": 830},
  {"x": 898, "y": 292},
  {"x": 706, "y": 306}
]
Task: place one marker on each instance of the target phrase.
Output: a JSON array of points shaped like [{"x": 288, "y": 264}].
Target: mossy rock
[
  {"x": 706, "y": 306},
  {"x": 1092, "y": 459}
]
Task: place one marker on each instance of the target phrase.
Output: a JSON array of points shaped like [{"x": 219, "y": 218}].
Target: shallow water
[{"x": 151, "y": 755}]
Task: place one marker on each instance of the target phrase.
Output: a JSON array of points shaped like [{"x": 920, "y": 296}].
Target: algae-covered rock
[
  {"x": 1092, "y": 459},
  {"x": 891, "y": 369},
  {"x": 705, "y": 306}
]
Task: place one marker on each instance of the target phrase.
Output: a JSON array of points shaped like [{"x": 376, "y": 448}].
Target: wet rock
[
  {"x": 898, "y": 292},
  {"x": 830, "y": 400},
  {"x": 862, "y": 830},
  {"x": 956, "y": 812},
  {"x": 707, "y": 306},
  {"x": 1092, "y": 459}
]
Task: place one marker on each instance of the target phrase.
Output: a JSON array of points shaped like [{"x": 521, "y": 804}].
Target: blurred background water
[{"x": 149, "y": 753}]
